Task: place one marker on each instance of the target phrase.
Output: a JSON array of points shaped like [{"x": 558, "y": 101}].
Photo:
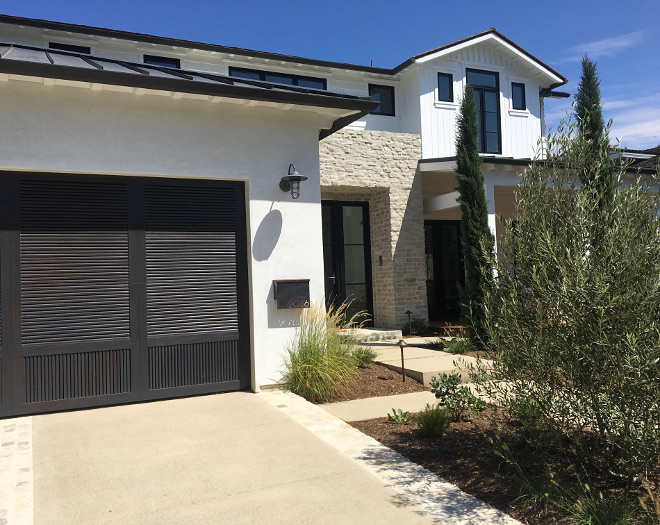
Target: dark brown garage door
[{"x": 115, "y": 290}]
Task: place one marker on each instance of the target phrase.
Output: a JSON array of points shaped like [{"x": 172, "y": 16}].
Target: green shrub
[
  {"x": 415, "y": 327},
  {"x": 320, "y": 360},
  {"x": 433, "y": 421},
  {"x": 459, "y": 345},
  {"x": 458, "y": 399},
  {"x": 572, "y": 320},
  {"x": 364, "y": 356},
  {"x": 399, "y": 416}
]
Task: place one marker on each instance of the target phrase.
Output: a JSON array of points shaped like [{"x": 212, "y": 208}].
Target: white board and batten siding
[{"x": 520, "y": 129}]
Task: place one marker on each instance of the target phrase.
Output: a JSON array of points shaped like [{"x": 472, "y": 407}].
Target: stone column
[{"x": 381, "y": 168}]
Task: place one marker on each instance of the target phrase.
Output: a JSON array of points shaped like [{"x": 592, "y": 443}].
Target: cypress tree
[
  {"x": 597, "y": 170},
  {"x": 476, "y": 237},
  {"x": 588, "y": 109}
]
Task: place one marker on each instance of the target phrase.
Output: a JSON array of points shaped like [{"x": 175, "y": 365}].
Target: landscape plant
[
  {"x": 476, "y": 238},
  {"x": 459, "y": 345},
  {"x": 363, "y": 356},
  {"x": 321, "y": 357},
  {"x": 433, "y": 420},
  {"x": 399, "y": 416},
  {"x": 415, "y": 327},
  {"x": 572, "y": 322},
  {"x": 458, "y": 399}
]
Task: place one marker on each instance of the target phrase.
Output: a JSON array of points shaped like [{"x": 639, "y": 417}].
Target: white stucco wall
[{"x": 54, "y": 128}]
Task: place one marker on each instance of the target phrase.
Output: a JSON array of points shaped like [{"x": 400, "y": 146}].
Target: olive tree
[{"x": 575, "y": 330}]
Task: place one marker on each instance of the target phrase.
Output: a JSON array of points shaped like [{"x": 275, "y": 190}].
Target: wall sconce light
[{"x": 292, "y": 182}]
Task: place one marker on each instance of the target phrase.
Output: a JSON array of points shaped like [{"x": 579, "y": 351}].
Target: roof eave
[{"x": 357, "y": 107}]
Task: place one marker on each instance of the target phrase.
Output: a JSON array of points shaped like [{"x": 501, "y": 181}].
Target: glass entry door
[
  {"x": 444, "y": 269},
  {"x": 347, "y": 255}
]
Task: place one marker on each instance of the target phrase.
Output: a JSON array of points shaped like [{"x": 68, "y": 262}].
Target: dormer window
[
  {"x": 69, "y": 47},
  {"x": 154, "y": 60},
  {"x": 486, "y": 86},
  {"x": 384, "y": 95},
  {"x": 445, "y": 87},
  {"x": 518, "y": 96}
]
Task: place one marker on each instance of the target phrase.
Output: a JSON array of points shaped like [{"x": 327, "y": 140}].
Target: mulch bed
[
  {"x": 376, "y": 380},
  {"x": 463, "y": 456}
]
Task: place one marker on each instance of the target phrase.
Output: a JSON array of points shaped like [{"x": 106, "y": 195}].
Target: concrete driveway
[{"x": 229, "y": 458}]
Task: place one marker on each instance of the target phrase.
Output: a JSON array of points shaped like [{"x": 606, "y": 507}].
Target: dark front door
[
  {"x": 347, "y": 255},
  {"x": 119, "y": 289},
  {"x": 444, "y": 269}
]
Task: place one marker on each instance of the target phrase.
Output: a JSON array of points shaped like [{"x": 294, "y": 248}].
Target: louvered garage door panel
[
  {"x": 74, "y": 294},
  {"x": 120, "y": 289},
  {"x": 192, "y": 299}
]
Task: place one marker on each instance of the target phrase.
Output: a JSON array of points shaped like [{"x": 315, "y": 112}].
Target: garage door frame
[{"x": 12, "y": 378}]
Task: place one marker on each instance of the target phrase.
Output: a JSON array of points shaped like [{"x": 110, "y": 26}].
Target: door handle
[{"x": 332, "y": 278}]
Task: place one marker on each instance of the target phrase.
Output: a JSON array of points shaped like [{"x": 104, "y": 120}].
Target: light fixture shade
[{"x": 292, "y": 182}]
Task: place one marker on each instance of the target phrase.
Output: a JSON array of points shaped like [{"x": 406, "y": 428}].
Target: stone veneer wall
[{"x": 381, "y": 168}]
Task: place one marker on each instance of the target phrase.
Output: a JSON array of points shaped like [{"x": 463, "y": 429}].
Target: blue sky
[{"x": 622, "y": 37}]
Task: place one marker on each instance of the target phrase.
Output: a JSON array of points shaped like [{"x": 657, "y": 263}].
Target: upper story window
[
  {"x": 69, "y": 47},
  {"x": 518, "y": 96},
  {"x": 154, "y": 60},
  {"x": 445, "y": 87},
  {"x": 279, "y": 78},
  {"x": 384, "y": 95},
  {"x": 486, "y": 86}
]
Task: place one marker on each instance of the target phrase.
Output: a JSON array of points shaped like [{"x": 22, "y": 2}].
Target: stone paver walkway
[
  {"x": 415, "y": 486},
  {"x": 16, "y": 482}
]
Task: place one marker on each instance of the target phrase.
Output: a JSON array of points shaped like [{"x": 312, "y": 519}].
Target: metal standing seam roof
[
  {"x": 49, "y": 63},
  {"x": 159, "y": 40}
]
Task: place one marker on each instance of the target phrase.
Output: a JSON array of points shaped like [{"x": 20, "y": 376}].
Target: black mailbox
[{"x": 292, "y": 293}]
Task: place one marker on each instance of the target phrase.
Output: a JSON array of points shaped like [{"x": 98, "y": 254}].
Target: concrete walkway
[
  {"x": 373, "y": 407},
  {"x": 421, "y": 363}
]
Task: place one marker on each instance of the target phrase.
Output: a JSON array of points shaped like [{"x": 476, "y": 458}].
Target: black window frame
[
  {"x": 161, "y": 61},
  {"x": 479, "y": 92},
  {"x": 449, "y": 77},
  {"x": 523, "y": 106},
  {"x": 295, "y": 79},
  {"x": 59, "y": 46},
  {"x": 378, "y": 110}
]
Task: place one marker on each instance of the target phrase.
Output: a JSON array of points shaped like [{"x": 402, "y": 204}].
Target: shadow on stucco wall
[{"x": 267, "y": 235}]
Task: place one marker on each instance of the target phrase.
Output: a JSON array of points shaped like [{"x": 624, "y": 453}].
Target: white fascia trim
[{"x": 485, "y": 38}]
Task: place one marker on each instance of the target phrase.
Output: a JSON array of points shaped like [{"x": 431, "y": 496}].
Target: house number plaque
[{"x": 292, "y": 293}]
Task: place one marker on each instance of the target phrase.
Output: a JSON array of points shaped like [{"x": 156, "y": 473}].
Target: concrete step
[
  {"x": 424, "y": 369},
  {"x": 420, "y": 363},
  {"x": 365, "y": 335}
]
